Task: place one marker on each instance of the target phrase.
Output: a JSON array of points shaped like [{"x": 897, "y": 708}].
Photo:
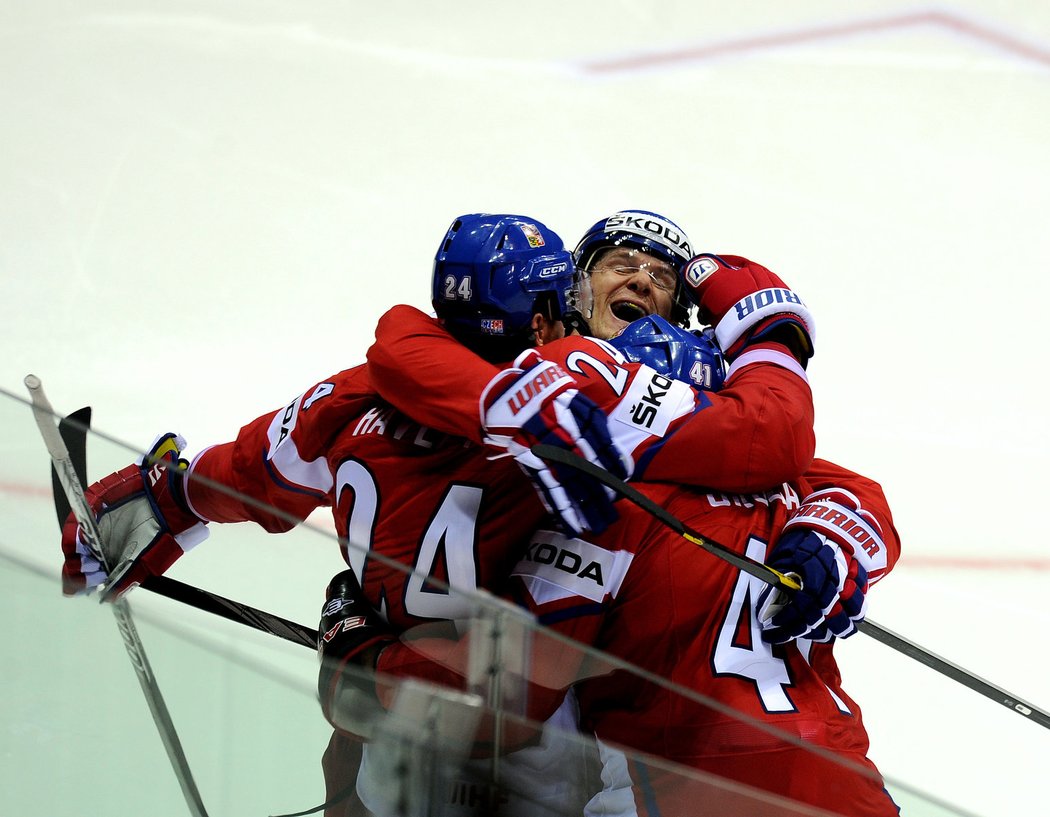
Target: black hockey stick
[
  {"x": 72, "y": 485},
  {"x": 73, "y": 430},
  {"x": 789, "y": 585},
  {"x": 232, "y": 610}
]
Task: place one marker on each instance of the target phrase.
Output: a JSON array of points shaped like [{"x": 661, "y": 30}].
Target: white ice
[{"x": 205, "y": 206}]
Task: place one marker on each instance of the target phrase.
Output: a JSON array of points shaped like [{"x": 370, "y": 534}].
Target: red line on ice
[{"x": 829, "y": 31}]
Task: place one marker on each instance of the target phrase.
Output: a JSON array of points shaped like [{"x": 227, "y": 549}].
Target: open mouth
[{"x": 628, "y": 311}]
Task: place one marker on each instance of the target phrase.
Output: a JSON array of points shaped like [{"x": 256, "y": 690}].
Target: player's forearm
[
  {"x": 225, "y": 486},
  {"x": 756, "y": 434},
  {"x": 421, "y": 370}
]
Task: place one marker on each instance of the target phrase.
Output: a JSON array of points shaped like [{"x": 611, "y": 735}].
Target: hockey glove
[
  {"x": 746, "y": 304},
  {"x": 536, "y": 401},
  {"x": 143, "y": 520},
  {"x": 349, "y": 639},
  {"x": 832, "y": 545}
]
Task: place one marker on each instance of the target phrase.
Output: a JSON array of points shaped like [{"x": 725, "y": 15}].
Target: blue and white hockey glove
[
  {"x": 831, "y": 545},
  {"x": 536, "y": 401}
]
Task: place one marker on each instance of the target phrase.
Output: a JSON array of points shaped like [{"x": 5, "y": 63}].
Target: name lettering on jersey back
[
  {"x": 785, "y": 494},
  {"x": 388, "y": 421},
  {"x": 556, "y": 567}
]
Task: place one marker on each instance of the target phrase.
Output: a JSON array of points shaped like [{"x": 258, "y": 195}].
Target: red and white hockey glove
[
  {"x": 832, "y": 546},
  {"x": 746, "y": 304},
  {"x": 349, "y": 639},
  {"x": 536, "y": 401},
  {"x": 143, "y": 520}
]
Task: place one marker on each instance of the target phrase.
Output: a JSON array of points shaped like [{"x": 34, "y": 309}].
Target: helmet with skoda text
[
  {"x": 646, "y": 231},
  {"x": 492, "y": 273},
  {"x": 692, "y": 357}
]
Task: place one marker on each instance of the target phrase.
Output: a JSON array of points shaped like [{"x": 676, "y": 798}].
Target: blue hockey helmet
[
  {"x": 692, "y": 357},
  {"x": 643, "y": 230},
  {"x": 492, "y": 273}
]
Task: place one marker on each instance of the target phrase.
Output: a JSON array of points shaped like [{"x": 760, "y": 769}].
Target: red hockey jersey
[
  {"x": 755, "y": 433},
  {"x": 434, "y": 504},
  {"x": 644, "y": 594},
  {"x": 418, "y": 510}
]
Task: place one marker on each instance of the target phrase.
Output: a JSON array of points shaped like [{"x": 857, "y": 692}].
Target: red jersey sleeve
[
  {"x": 421, "y": 370},
  {"x": 754, "y": 434},
  {"x": 275, "y": 472}
]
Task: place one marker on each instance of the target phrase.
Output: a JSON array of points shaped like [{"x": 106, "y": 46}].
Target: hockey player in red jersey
[
  {"x": 754, "y": 434},
  {"x": 336, "y": 444},
  {"x": 750, "y": 323},
  {"x": 755, "y": 696}
]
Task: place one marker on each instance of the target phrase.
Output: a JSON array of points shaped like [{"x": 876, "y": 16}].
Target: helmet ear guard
[
  {"x": 646, "y": 231},
  {"x": 677, "y": 353},
  {"x": 492, "y": 273}
]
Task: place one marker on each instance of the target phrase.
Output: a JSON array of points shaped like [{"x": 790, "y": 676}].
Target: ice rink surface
[{"x": 205, "y": 206}]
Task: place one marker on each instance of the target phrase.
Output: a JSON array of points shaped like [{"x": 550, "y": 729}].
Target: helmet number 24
[{"x": 458, "y": 289}]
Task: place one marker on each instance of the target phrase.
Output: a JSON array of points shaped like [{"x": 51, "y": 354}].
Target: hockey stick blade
[
  {"x": 73, "y": 429},
  {"x": 868, "y": 627},
  {"x": 71, "y": 477}
]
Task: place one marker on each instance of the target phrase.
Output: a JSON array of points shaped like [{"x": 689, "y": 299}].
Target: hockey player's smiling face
[{"x": 621, "y": 296}]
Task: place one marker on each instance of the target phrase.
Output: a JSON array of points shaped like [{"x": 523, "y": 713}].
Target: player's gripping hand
[
  {"x": 832, "y": 599},
  {"x": 834, "y": 547},
  {"x": 746, "y": 304},
  {"x": 143, "y": 520},
  {"x": 349, "y": 640},
  {"x": 536, "y": 401}
]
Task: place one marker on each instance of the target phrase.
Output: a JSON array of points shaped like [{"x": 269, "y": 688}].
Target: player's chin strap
[
  {"x": 789, "y": 585},
  {"x": 575, "y": 323}
]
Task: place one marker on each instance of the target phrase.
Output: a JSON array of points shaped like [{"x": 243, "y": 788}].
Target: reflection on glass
[{"x": 245, "y": 703}]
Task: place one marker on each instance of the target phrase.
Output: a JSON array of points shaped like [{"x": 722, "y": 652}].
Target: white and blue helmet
[{"x": 643, "y": 230}]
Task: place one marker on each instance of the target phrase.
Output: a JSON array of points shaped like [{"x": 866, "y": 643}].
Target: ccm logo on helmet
[
  {"x": 646, "y": 225},
  {"x": 554, "y": 270}
]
